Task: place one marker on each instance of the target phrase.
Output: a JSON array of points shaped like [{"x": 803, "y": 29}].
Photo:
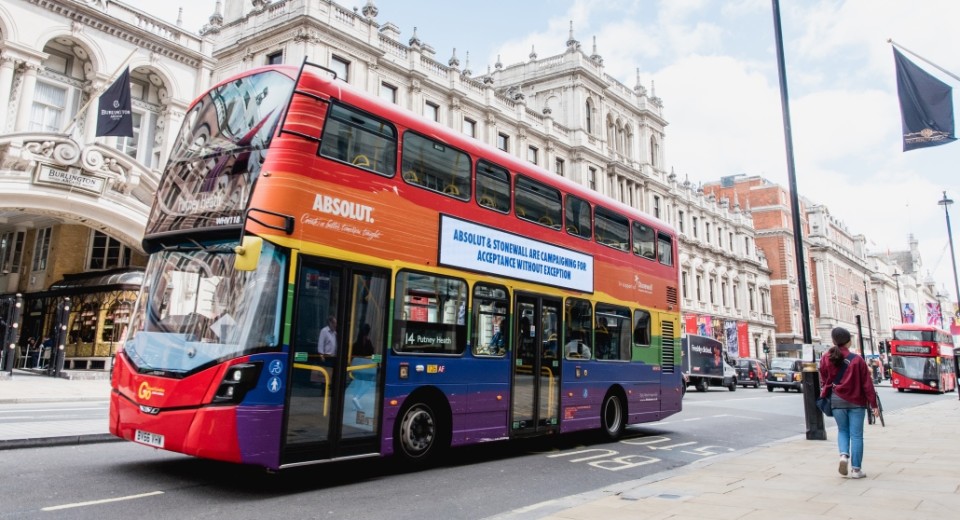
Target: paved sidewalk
[
  {"x": 26, "y": 387},
  {"x": 912, "y": 466}
]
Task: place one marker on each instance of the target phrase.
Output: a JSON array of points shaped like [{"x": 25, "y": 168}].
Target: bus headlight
[{"x": 237, "y": 381}]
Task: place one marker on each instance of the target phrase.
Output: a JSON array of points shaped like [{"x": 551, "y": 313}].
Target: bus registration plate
[{"x": 150, "y": 439}]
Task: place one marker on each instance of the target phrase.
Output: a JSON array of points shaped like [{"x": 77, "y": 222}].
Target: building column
[
  {"x": 6, "y": 87},
  {"x": 26, "y": 97},
  {"x": 90, "y": 118}
]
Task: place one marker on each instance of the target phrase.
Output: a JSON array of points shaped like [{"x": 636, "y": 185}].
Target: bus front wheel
[{"x": 419, "y": 433}]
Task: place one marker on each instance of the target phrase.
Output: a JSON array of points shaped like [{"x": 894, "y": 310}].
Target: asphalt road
[{"x": 127, "y": 480}]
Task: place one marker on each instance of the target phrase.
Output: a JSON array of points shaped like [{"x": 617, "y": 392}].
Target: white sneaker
[
  {"x": 857, "y": 473},
  {"x": 844, "y": 461}
]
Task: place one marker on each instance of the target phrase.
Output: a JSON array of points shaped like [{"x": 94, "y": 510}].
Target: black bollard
[{"x": 811, "y": 391}]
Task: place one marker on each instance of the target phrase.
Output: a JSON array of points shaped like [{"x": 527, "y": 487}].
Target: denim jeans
[{"x": 850, "y": 432}]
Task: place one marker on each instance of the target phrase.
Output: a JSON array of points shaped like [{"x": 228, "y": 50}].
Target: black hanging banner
[
  {"x": 926, "y": 106},
  {"x": 114, "y": 116}
]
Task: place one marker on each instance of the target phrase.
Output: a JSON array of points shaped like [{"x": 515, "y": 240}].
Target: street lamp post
[
  {"x": 866, "y": 295},
  {"x": 945, "y": 202},
  {"x": 896, "y": 276}
]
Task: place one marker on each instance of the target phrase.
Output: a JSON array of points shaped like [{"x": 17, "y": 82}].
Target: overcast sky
[{"x": 713, "y": 63}]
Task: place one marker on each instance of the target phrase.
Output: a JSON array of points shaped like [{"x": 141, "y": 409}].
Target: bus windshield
[
  {"x": 916, "y": 368},
  {"x": 195, "y": 309},
  {"x": 218, "y": 153}
]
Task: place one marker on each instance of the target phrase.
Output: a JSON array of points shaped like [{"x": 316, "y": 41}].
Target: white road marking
[{"x": 104, "y": 501}]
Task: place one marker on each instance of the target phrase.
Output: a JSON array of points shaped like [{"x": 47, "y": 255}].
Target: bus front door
[
  {"x": 337, "y": 341},
  {"x": 536, "y": 366}
]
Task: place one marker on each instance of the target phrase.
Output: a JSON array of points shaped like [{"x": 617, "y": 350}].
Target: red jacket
[{"x": 855, "y": 387}]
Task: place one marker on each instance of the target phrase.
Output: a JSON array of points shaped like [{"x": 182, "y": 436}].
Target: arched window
[
  {"x": 589, "y": 114},
  {"x": 654, "y": 152},
  {"x": 59, "y": 85},
  {"x": 148, "y": 95}
]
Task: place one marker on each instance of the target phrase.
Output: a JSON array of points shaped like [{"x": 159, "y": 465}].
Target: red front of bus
[{"x": 204, "y": 365}]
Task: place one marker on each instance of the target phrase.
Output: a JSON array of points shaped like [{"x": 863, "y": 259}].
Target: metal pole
[
  {"x": 811, "y": 378},
  {"x": 945, "y": 202},
  {"x": 860, "y": 334},
  {"x": 896, "y": 277},
  {"x": 866, "y": 294}
]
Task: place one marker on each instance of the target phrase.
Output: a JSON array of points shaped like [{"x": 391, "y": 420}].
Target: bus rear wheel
[
  {"x": 612, "y": 417},
  {"x": 419, "y": 433}
]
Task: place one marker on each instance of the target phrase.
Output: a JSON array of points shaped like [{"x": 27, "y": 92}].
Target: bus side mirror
[{"x": 248, "y": 253}]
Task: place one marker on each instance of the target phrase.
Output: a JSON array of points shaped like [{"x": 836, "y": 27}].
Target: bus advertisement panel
[
  {"x": 333, "y": 277},
  {"x": 922, "y": 358}
]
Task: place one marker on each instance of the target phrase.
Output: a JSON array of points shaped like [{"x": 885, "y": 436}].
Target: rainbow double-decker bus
[{"x": 334, "y": 277}]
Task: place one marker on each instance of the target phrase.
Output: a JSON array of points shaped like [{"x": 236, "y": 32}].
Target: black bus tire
[
  {"x": 613, "y": 416},
  {"x": 421, "y": 433}
]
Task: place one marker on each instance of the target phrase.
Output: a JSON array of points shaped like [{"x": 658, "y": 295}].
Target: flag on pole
[
  {"x": 926, "y": 106},
  {"x": 933, "y": 314},
  {"x": 114, "y": 114}
]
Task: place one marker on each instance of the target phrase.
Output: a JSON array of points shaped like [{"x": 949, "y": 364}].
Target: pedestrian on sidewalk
[{"x": 850, "y": 397}]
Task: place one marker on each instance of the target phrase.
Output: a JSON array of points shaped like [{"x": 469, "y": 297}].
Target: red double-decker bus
[
  {"x": 921, "y": 358},
  {"x": 333, "y": 277}
]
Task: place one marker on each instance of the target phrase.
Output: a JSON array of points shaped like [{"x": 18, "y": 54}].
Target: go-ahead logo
[{"x": 146, "y": 391}]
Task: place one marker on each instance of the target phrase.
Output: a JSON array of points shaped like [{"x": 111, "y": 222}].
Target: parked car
[
  {"x": 786, "y": 373},
  {"x": 751, "y": 372}
]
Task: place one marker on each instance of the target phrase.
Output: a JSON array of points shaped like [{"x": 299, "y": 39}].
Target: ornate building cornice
[{"x": 90, "y": 14}]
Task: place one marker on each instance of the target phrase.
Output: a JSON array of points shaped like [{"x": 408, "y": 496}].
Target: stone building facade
[{"x": 76, "y": 204}]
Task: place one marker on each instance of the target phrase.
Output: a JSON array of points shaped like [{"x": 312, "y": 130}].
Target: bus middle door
[
  {"x": 536, "y": 369},
  {"x": 337, "y": 341}
]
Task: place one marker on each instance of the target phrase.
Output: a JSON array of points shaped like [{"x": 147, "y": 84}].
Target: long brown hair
[{"x": 835, "y": 356}]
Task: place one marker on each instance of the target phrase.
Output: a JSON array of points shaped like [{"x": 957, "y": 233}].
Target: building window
[
  {"x": 746, "y": 246},
  {"x": 388, "y": 92},
  {"x": 683, "y": 284},
  {"x": 40, "y": 249},
  {"x": 558, "y": 166},
  {"x": 680, "y": 221},
  {"x": 752, "y": 300},
  {"x": 129, "y": 145},
  {"x": 730, "y": 241},
  {"x": 589, "y": 113},
  {"x": 763, "y": 302},
  {"x": 723, "y": 293},
  {"x": 713, "y": 286},
  {"x": 431, "y": 111},
  {"x": 49, "y": 104},
  {"x": 699, "y": 288},
  {"x": 719, "y": 236},
  {"x": 533, "y": 154},
  {"x": 654, "y": 152},
  {"x": 341, "y": 66},
  {"x": 503, "y": 142},
  {"x": 275, "y": 58},
  {"x": 592, "y": 179},
  {"x": 696, "y": 227},
  {"x": 470, "y": 127},
  {"x": 656, "y": 206},
  {"x": 706, "y": 231},
  {"x": 107, "y": 253},
  {"x": 11, "y": 251},
  {"x": 736, "y": 297}
]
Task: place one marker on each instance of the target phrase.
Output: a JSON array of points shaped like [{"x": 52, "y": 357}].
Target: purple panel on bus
[{"x": 258, "y": 432}]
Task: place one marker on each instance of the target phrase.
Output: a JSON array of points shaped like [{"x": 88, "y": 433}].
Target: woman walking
[{"x": 847, "y": 376}]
